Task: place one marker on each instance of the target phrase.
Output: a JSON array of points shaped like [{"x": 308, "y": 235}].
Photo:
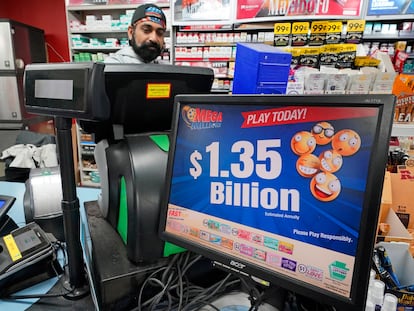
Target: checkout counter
[
  {"x": 66, "y": 91},
  {"x": 16, "y": 213}
]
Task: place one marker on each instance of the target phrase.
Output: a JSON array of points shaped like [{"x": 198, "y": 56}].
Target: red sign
[{"x": 268, "y": 9}]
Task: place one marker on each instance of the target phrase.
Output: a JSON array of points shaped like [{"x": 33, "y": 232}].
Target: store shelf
[
  {"x": 207, "y": 44},
  {"x": 104, "y": 7},
  {"x": 96, "y": 49},
  {"x": 103, "y": 31},
  {"x": 88, "y": 172},
  {"x": 219, "y": 59},
  {"x": 372, "y": 18},
  {"x": 216, "y": 47},
  {"x": 402, "y": 129},
  {"x": 102, "y": 23},
  {"x": 390, "y": 36}
]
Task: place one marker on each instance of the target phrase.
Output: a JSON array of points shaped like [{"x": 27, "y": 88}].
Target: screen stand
[{"x": 75, "y": 275}]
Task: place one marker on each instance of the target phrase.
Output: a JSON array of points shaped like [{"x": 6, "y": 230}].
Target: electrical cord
[{"x": 173, "y": 291}]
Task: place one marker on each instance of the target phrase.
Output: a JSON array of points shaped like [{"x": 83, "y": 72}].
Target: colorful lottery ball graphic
[
  {"x": 188, "y": 114},
  {"x": 302, "y": 143},
  {"x": 323, "y": 132},
  {"x": 308, "y": 165},
  {"x": 325, "y": 186},
  {"x": 331, "y": 161},
  {"x": 346, "y": 142}
]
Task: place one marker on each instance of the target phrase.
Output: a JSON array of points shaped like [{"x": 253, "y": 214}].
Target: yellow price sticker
[
  {"x": 282, "y": 28},
  {"x": 300, "y": 28},
  {"x": 318, "y": 27},
  {"x": 312, "y": 51},
  {"x": 12, "y": 247},
  {"x": 355, "y": 26},
  {"x": 334, "y": 26},
  {"x": 297, "y": 51},
  {"x": 331, "y": 48},
  {"x": 158, "y": 90}
]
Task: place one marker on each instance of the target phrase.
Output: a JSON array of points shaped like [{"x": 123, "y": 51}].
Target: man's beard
[{"x": 147, "y": 51}]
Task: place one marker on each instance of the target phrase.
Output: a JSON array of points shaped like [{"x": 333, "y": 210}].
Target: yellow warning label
[
  {"x": 12, "y": 247},
  {"x": 158, "y": 90}
]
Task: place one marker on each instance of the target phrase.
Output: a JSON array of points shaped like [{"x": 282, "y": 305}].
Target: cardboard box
[
  {"x": 386, "y": 198},
  {"x": 402, "y": 196},
  {"x": 396, "y": 219}
]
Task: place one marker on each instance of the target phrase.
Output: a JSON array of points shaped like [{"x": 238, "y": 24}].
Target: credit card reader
[{"x": 27, "y": 257}]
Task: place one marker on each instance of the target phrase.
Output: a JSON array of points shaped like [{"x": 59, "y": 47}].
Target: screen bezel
[
  {"x": 371, "y": 203},
  {"x": 5, "y": 207}
]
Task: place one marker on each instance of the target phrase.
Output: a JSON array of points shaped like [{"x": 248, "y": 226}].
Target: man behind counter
[
  {"x": 145, "y": 35},
  {"x": 146, "y": 42}
]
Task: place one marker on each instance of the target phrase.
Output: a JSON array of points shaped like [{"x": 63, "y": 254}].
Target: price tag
[
  {"x": 299, "y": 28},
  {"x": 355, "y": 26},
  {"x": 319, "y": 27},
  {"x": 354, "y": 31},
  {"x": 334, "y": 26},
  {"x": 282, "y": 29},
  {"x": 318, "y": 33}
]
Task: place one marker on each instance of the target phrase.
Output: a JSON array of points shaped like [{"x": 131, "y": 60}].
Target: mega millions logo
[{"x": 199, "y": 119}]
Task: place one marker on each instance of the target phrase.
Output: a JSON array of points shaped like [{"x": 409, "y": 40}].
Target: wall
[{"x": 49, "y": 15}]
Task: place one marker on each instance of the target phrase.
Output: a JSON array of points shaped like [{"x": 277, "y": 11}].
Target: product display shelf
[
  {"x": 215, "y": 47},
  {"x": 191, "y": 38},
  {"x": 97, "y": 30},
  {"x": 402, "y": 129},
  {"x": 87, "y": 166},
  {"x": 393, "y": 29}
]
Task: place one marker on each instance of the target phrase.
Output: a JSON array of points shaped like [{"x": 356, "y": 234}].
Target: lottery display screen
[{"x": 280, "y": 187}]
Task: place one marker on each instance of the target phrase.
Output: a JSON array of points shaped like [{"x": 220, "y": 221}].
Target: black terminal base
[
  {"x": 116, "y": 279},
  {"x": 74, "y": 293}
]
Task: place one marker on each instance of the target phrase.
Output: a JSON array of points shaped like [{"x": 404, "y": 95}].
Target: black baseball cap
[{"x": 149, "y": 12}]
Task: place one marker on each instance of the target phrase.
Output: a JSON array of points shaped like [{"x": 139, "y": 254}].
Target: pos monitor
[
  {"x": 141, "y": 96},
  {"x": 286, "y": 189}
]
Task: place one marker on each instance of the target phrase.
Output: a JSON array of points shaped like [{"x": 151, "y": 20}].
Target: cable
[{"x": 171, "y": 289}]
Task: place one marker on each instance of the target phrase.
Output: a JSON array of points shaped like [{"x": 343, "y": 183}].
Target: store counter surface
[{"x": 17, "y": 190}]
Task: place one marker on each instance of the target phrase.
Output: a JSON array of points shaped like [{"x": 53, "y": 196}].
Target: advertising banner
[
  {"x": 187, "y": 12},
  {"x": 275, "y": 184},
  {"x": 267, "y": 9},
  {"x": 390, "y": 7}
]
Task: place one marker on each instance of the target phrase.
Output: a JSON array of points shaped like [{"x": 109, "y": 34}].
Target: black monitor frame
[
  {"x": 6, "y": 202},
  {"x": 142, "y": 95},
  {"x": 370, "y": 203},
  {"x": 70, "y": 90}
]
